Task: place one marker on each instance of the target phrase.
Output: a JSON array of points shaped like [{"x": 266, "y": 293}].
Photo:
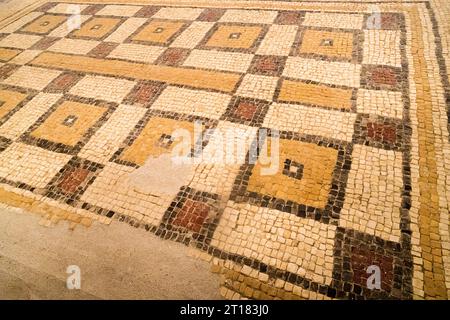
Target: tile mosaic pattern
[{"x": 363, "y": 171}]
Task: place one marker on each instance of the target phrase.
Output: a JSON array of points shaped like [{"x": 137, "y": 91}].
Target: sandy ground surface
[{"x": 114, "y": 263}]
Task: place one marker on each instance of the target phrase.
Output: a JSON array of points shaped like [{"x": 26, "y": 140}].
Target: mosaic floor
[{"x": 359, "y": 95}]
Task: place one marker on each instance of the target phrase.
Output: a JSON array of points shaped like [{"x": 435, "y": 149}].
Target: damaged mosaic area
[{"x": 360, "y": 109}]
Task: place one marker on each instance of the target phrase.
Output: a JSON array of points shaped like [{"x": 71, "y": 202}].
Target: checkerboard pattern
[{"x": 82, "y": 109}]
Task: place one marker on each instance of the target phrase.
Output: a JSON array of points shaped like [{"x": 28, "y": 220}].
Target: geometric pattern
[{"x": 358, "y": 110}]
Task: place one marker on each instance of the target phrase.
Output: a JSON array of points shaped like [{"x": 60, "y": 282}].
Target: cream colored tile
[
  {"x": 31, "y": 165},
  {"x": 28, "y": 115},
  {"x": 327, "y": 72},
  {"x": 382, "y": 47},
  {"x": 21, "y": 41},
  {"x": 178, "y": 13},
  {"x": 32, "y": 77},
  {"x": 104, "y": 88},
  {"x": 275, "y": 44},
  {"x": 380, "y": 102},
  {"x": 249, "y": 16},
  {"x": 200, "y": 103},
  {"x": 74, "y": 46},
  {"x": 373, "y": 194},
  {"x": 275, "y": 238},
  {"x": 67, "y": 8},
  {"x": 190, "y": 37},
  {"x": 310, "y": 120},
  {"x": 256, "y": 86},
  {"x": 137, "y": 52},
  {"x": 107, "y": 140},
  {"x": 333, "y": 20},
  {"x": 118, "y": 10},
  {"x": 125, "y": 30},
  {"x": 26, "y": 56},
  {"x": 71, "y": 24},
  {"x": 16, "y": 25},
  {"x": 219, "y": 60}
]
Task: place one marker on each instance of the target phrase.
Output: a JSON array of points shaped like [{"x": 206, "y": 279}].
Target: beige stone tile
[
  {"x": 194, "y": 102},
  {"x": 112, "y": 190},
  {"x": 310, "y": 120},
  {"x": 67, "y": 8},
  {"x": 382, "y": 47},
  {"x": 380, "y": 102},
  {"x": 26, "y": 56},
  {"x": 118, "y": 10},
  {"x": 333, "y": 20},
  {"x": 125, "y": 30},
  {"x": 137, "y": 52},
  {"x": 219, "y": 60},
  {"x": 74, "y": 46},
  {"x": 249, "y": 16},
  {"x": 373, "y": 194},
  {"x": 16, "y": 25},
  {"x": 190, "y": 37},
  {"x": 28, "y": 115},
  {"x": 256, "y": 86},
  {"x": 111, "y": 135},
  {"x": 32, "y": 77},
  {"x": 104, "y": 88},
  {"x": 21, "y": 41},
  {"x": 327, "y": 72},
  {"x": 31, "y": 165},
  {"x": 66, "y": 28},
  {"x": 178, "y": 13},
  {"x": 275, "y": 238},
  {"x": 278, "y": 40}
]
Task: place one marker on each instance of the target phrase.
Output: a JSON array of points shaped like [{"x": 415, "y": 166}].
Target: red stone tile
[
  {"x": 73, "y": 179},
  {"x": 246, "y": 110},
  {"x": 143, "y": 93},
  {"x": 92, "y": 9},
  {"x": 45, "y": 43},
  {"x": 173, "y": 56},
  {"x": 381, "y": 77},
  {"x": 146, "y": 12},
  {"x": 103, "y": 49},
  {"x": 267, "y": 65},
  {"x": 381, "y": 132},
  {"x": 361, "y": 259},
  {"x": 289, "y": 17},
  {"x": 211, "y": 15},
  {"x": 63, "y": 82},
  {"x": 192, "y": 215}
]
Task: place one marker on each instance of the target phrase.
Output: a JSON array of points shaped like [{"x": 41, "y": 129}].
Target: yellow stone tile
[
  {"x": 54, "y": 129},
  {"x": 183, "y": 76},
  {"x": 316, "y": 94},
  {"x": 332, "y": 44},
  {"x": 44, "y": 24},
  {"x": 158, "y": 31},
  {"x": 7, "y": 54},
  {"x": 312, "y": 188},
  {"x": 148, "y": 142},
  {"x": 234, "y": 36},
  {"x": 9, "y": 100},
  {"x": 96, "y": 27}
]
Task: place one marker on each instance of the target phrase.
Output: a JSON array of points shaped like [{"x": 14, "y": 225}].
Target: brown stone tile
[
  {"x": 192, "y": 215},
  {"x": 144, "y": 93},
  {"x": 267, "y": 65},
  {"x": 379, "y": 132},
  {"x": 289, "y": 17},
  {"x": 211, "y": 14},
  {"x": 92, "y": 9},
  {"x": 7, "y": 70},
  {"x": 46, "y": 6},
  {"x": 381, "y": 77},
  {"x": 173, "y": 56},
  {"x": 103, "y": 49},
  {"x": 246, "y": 111},
  {"x": 63, "y": 82},
  {"x": 45, "y": 43},
  {"x": 147, "y": 11}
]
